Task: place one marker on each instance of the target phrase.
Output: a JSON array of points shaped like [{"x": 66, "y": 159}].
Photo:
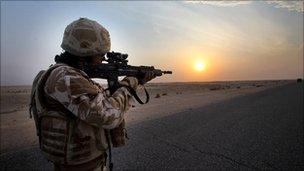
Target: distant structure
[{"x": 299, "y": 80}]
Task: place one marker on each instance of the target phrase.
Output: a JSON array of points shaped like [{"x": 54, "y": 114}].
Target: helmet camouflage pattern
[{"x": 85, "y": 37}]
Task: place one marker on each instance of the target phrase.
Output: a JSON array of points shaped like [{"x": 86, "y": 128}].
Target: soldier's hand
[
  {"x": 130, "y": 81},
  {"x": 148, "y": 76}
]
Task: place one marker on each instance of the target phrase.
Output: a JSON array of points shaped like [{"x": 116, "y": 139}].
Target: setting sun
[{"x": 200, "y": 66}]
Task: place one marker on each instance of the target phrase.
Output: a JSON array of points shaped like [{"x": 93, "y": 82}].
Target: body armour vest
[{"x": 63, "y": 137}]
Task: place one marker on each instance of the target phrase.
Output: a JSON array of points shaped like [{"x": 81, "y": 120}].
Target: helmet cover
[{"x": 85, "y": 37}]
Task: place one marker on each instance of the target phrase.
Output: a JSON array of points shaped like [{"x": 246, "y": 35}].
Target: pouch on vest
[{"x": 119, "y": 135}]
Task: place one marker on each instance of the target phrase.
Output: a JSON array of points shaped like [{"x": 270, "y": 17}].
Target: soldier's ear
[
  {"x": 83, "y": 59},
  {"x": 96, "y": 59},
  {"x": 103, "y": 57}
]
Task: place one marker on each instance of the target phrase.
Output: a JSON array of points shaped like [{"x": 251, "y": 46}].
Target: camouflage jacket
[
  {"x": 86, "y": 99},
  {"x": 74, "y": 141}
]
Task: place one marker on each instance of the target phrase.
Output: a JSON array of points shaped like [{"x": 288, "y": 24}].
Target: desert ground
[{"x": 167, "y": 100}]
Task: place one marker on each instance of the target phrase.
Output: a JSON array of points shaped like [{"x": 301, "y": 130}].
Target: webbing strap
[{"x": 111, "y": 165}]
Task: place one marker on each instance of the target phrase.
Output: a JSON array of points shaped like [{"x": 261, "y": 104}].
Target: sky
[{"x": 198, "y": 41}]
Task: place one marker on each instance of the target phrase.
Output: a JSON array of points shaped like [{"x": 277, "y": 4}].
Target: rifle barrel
[{"x": 167, "y": 72}]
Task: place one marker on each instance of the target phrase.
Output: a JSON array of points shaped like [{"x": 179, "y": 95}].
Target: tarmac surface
[{"x": 258, "y": 131}]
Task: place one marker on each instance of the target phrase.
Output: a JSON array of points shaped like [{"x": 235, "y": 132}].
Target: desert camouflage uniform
[{"x": 83, "y": 139}]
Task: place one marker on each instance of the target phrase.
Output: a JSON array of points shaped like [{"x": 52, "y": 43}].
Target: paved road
[{"x": 254, "y": 132}]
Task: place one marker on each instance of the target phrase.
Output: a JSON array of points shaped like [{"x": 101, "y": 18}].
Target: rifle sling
[{"x": 134, "y": 94}]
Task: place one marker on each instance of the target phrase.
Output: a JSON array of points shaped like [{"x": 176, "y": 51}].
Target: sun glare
[{"x": 199, "y": 66}]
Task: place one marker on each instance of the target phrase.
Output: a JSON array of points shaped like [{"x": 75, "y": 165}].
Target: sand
[{"x": 18, "y": 130}]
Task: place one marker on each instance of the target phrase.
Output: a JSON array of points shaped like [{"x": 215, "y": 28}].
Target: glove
[
  {"x": 146, "y": 77},
  {"x": 130, "y": 81}
]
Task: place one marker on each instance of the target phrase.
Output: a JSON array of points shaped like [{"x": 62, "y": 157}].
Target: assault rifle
[{"x": 116, "y": 66}]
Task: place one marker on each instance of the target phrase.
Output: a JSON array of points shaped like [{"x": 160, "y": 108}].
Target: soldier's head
[{"x": 84, "y": 40}]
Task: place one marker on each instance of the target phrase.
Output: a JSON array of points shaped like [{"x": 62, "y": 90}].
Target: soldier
[{"x": 72, "y": 113}]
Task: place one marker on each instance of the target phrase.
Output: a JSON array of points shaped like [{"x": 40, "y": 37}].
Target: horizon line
[{"x": 289, "y": 79}]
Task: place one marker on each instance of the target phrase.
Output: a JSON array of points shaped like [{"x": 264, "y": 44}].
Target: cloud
[
  {"x": 221, "y": 3},
  {"x": 290, "y": 5}
]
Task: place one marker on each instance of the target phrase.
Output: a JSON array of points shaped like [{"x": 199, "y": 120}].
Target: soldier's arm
[{"x": 86, "y": 100}]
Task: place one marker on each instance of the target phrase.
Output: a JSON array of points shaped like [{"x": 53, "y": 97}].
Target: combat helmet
[{"x": 85, "y": 37}]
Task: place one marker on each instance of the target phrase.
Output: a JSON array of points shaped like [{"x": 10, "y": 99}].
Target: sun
[{"x": 199, "y": 66}]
